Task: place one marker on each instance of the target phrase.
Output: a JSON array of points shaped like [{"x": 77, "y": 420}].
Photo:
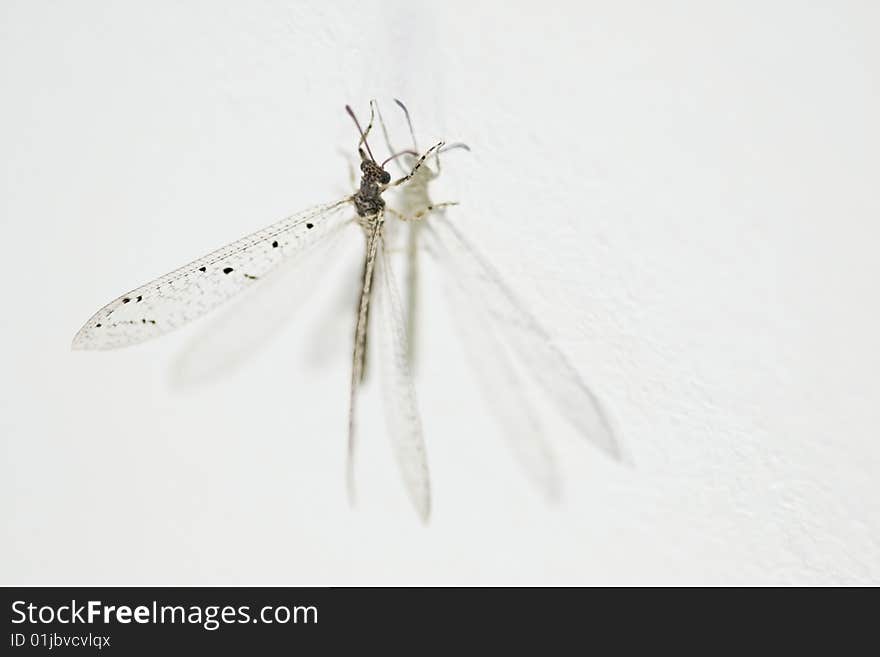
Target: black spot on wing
[
  {"x": 202, "y": 268},
  {"x": 275, "y": 244},
  {"x": 130, "y": 321},
  {"x": 310, "y": 226},
  {"x": 227, "y": 270}
]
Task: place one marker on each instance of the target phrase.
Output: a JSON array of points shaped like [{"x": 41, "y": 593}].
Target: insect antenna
[
  {"x": 398, "y": 154},
  {"x": 412, "y": 133},
  {"x": 458, "y": 144},
  {"x": 363, "y": 141},
  {"x": 409, "y": 123}
]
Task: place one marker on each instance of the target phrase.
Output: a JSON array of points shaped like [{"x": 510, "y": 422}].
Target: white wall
[{"x": 687, "y": 196}]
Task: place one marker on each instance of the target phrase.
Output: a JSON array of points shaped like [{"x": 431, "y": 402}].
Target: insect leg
[
  {"x": 415, "y": 168},
  {"x": 423, "y": 212}
]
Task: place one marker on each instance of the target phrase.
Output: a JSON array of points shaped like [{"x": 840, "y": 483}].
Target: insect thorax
[{"x": 368, "y": 199}]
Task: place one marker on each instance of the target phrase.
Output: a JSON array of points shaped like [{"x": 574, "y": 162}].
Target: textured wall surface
[{"x": 686, "y": 196}]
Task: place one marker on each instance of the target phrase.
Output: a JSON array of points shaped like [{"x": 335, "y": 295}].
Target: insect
[{"x": 200, "y": 286}]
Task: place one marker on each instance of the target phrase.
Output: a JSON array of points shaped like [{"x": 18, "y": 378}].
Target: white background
[{"x": 686, "y": 195}]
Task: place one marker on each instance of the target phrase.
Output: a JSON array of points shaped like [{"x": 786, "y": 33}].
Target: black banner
[{"x": 169, "y": 621}]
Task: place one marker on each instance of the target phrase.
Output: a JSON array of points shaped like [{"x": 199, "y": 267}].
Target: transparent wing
[
  {"x": 412, "y": 291},
  {"x": 398, "y": 392},
  {"x": 360, "y": 346},
  {"x": 192, "y": 290},
  {"x": 527, "y": 339},
  {"x": 335, "y": 321},
  {"x": 250, "y": 322},
  {"x": 502, "y": 388}
]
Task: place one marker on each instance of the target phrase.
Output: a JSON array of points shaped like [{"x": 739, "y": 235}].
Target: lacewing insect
[{"x": 204, "y": 284}]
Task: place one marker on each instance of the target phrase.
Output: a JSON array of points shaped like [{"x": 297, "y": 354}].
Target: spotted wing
[
  {"x": 527, "y": 339},
  {"x": 249, "y": 322},
  {"x": 194, "y": 289}
]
